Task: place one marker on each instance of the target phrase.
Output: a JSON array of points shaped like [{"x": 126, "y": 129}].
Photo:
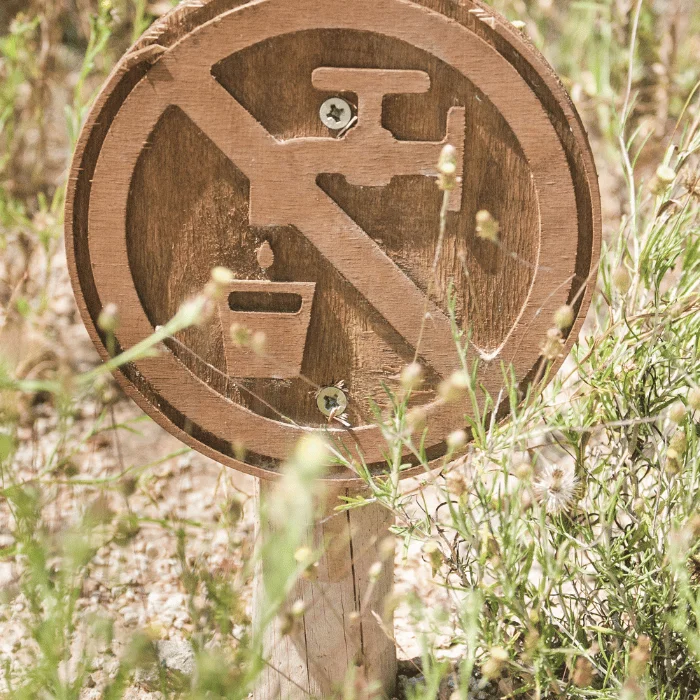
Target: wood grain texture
[
  {"x": 339, "y": 631},
  {"x": 216, "y": 149}
]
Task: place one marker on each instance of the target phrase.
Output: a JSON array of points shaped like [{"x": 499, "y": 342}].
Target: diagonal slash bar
[{"x": 283, "y": 191}]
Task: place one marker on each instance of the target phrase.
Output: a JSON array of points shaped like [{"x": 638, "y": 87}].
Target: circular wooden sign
[{"x": 295, "y": 143}]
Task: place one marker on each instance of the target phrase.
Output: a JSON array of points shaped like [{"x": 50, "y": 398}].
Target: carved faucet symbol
[
  {"x": 403, "y": 157},
  {"x": 284, "y": 191}
]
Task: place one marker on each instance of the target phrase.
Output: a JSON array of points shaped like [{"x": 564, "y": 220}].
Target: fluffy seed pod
[
  {"x": 694, "y": 398},
  {"x": 621, "y": 280},
  {"x": 662, "y": 180},
  {"x": 487, "y": 227},
  {"x": 564, "y": 317},
  {"x": 493, "y": 666},
  {"x": 411, "y": 376},
  {"x": 447, "y": 168},
  {"x": 457, "y": 439},
  {"x": 108, "y": 320},
  {"x": 552, "y": 345},
  {"x": 677, "y": 412}
]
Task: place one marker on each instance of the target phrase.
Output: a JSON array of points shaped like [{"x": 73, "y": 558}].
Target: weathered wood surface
[
  {"x": 339, "y": 633},
  {"x": 206, "y": 145}
]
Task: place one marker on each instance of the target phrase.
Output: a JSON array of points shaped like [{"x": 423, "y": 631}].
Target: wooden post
[{"x": 339, "y": 630}]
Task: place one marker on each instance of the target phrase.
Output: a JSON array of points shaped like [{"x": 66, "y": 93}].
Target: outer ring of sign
[{"x": 114, "y": 86}]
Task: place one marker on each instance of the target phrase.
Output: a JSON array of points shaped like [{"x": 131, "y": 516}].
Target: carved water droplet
[{"x": 265, "y": 255}]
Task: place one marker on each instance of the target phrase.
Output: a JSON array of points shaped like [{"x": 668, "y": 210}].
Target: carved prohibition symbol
[
  {"x": 517, "y": 118},
  {"x": 285, "y": 172}
]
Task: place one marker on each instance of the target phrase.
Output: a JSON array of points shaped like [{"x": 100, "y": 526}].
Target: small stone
[
  {"x": 176, "y": 656},
  {"x": 7, "y": 573},
  {"x": 175, "y": 602},
  {"x": 130, "y": 616}
]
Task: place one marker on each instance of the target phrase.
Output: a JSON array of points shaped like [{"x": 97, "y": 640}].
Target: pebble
[
  {"x": 7, "y": 573},
  {"x": 130, "y": 616},
  {"x": 176, "y": 655}
]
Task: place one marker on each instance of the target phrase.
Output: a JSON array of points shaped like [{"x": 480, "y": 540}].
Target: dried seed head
[
  {"x": 257, "y": 342},
  {"x": 312, "y": 451},
  {"x": 108, "y": 320},
  {"x": 222, "y": 276},
  {"x": 552, "y": 345},
  {"x": 556, "y": 488},
  {"x": 662, "y": 180},
  {"x": 488, "y": 547},
  {"x": 691, "y": 182},
  {"x": 564, "y": 317},
  {"x": 487, "y": 227},
  {"x": 287, "y": 623},
  {"x": 434, "y": 554},
  {"x": 387, "y": 547},
  {"x": 416, "y": 418},
  {"x": 411, "y": 376},
  {"x": 673, "y": 462},
  {"x": 304, "y": 556},
  {"x": 239, "y": 450},
  {"x": 582, "y": 676},
  {"x": 456, "y": 483},
  {"x": 677, "y": 412},
  {"x": 621, "y": 280},
  {"x": 455, "y": 386},
  {"x": 447, "y": 168},
  {"x": 99, "y": 512},
  {"x": 240, "y": 335},
  {"x": 195, "y": 311},
  {"x": 523, "y": 470},
  {"x": 457, "y": 439},
  {"x": 493, "y": 666},
  {"x": 679, "y": 441},
  {"x": 531, "y": 643},
  {"x": 374, "y": 571},
  {"x": 631, "y": 690},
  {"x": 233, "y": 508},
  {"x": 639, "y": 656},
  {"x": 215, "y": 288},
  {"x": 693, "y": 526},
  {"x": 694, "y": 398}
]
